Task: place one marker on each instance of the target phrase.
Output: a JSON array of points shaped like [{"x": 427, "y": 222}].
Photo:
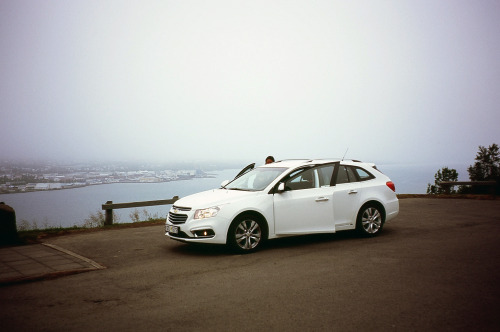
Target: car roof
[{"x": 288, "y": 163}]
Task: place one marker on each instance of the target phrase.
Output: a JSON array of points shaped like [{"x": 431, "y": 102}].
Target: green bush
[{"x": 444, "y": 174}]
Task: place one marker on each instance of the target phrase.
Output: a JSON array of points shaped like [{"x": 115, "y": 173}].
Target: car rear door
[{"x": 346, "y": 198}]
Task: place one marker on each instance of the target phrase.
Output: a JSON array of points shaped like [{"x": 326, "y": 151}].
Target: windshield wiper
[{"x": 240, "y": 189}]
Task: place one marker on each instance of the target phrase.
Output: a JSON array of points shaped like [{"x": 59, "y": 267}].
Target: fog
[{"x": 389, "y": 81}]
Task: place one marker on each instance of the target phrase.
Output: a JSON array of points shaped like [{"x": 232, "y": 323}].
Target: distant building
[
  {"x": 149, "y": 179},
  {"x": 30, "y": 186},
  {"x": 48, "y": 186}
]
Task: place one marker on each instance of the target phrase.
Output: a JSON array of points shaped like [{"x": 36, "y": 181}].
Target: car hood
[{"x": 213, "y": 197}]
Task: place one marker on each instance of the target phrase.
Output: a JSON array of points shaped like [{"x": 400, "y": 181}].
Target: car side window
[
  {"x": 342, "y": 176},
  {"x": 347, "y": 174},
  {"x": 303, "y": 179},
  {"x": 350, "y": 173},
  {"x": 362, "y": 174}
]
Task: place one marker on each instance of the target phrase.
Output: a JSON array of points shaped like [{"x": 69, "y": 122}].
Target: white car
[{"x": 285, "y": 198}]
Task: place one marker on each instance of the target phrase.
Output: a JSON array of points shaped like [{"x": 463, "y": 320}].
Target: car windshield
[{"x": 255, "y": 180}]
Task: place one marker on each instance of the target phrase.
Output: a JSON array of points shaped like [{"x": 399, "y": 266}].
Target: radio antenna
[{"x": 345, "y": 154}]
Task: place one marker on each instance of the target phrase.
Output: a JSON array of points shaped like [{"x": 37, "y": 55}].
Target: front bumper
[{"x": 210, "y": 230}]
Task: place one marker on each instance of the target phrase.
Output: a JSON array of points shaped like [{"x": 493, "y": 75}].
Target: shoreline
[{"x": 76, "y": 186}]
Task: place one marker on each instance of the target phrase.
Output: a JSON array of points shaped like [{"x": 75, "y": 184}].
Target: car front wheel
[
  {"x": 246, "y": 234},
  {"x": 370, "y": 220}
]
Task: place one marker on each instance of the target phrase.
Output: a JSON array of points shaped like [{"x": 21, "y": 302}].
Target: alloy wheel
[
  {"x": 248, "y": 234},
  {"x": 371, "y": 220}
]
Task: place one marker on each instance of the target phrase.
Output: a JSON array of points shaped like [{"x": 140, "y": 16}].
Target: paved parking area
[{"x": 435, "y": 267}]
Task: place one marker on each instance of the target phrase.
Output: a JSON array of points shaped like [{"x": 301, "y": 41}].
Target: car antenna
[{"x": 345, "y": 154}]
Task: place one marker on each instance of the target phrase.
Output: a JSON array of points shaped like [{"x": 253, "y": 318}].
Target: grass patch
[
  {"x": 32, "y": 233},
  {"x": 36, "y": 235}
]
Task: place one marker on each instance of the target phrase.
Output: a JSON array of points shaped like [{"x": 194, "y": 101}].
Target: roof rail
[{"x": 297, "y": 159}]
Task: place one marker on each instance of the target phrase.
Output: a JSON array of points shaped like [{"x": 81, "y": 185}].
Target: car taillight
[{"x": 391, "y": 185}]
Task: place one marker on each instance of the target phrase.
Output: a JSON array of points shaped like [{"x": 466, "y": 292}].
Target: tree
[
  {"x": 444, "y": 174},
  {"x": 486, "y": 167}
]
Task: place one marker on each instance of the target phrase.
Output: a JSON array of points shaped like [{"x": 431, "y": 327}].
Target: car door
[
  {"x": 346, "y": 197},
  {"x": 306, "y": 204},
  {"x": 245, "y": 170}
]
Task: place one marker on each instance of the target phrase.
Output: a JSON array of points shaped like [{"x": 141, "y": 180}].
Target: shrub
[
  {"x": 97, "y": 219},
  {"x": 444, "y": 174}
]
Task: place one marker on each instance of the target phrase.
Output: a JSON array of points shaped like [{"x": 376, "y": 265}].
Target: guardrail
[
  {"x": 110, "y": 206},
  {"x": 446, "y": 185}
]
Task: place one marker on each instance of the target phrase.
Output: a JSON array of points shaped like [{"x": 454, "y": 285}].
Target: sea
[{"x": 75, "y": 207}]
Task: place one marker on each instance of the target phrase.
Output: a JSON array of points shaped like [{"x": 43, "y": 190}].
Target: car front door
[
  {"x": 306, "y": 204},
  {"x": 245, "y": 170}
]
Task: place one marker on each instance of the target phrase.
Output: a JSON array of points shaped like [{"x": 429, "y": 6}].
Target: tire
[
  {"x": 370, "y": 220},
  {"x": 246, "y": 234}
]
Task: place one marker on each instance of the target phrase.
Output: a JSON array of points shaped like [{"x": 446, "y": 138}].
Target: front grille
[{"x": 177, "y": 218}]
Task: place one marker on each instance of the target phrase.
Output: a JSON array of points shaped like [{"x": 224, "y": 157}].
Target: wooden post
[
  {"x": 109, "y": 206},
  {"x": 109, "y": 215}
]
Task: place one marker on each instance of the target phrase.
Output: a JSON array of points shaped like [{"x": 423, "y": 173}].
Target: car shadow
[
  {"x": 312, "y": 239},
  {"x": 202, "y": 249},
  {"x": 199, "y": 249}
]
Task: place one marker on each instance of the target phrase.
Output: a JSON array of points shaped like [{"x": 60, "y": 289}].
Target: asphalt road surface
[{"x": 435, "y": 267}]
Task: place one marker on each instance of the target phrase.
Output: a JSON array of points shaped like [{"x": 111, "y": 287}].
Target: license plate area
[{"x": 172, "y": 229}]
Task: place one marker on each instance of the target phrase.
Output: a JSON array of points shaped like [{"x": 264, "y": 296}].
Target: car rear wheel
[
  {"x": 246, "y": 234},
  {"x": 370, "y": 220}
]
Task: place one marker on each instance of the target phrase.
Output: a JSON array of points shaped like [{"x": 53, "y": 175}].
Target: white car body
[{"x": 283, "y": 207}]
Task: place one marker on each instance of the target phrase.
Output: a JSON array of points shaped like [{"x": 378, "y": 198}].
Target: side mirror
[
  {"x": 224, "y": 183},
  {"x": 281, "y": 188}
]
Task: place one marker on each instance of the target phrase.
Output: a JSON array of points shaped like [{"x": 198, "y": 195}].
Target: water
[{"x": 70, "y": 207}]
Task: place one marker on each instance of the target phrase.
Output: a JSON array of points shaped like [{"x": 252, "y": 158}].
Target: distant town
[{"x": 26, "y": 177}]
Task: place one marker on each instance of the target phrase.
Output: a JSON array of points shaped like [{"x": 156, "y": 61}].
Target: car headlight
[{"x": 206, "y": 213}]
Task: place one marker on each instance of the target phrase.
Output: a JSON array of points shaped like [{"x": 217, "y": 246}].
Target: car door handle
[
  {"x": 321, "y": 199},
  {"x": 351, "y": 192}
]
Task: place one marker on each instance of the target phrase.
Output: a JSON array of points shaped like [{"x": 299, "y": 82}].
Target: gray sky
[{"x": 393, "y": 81}]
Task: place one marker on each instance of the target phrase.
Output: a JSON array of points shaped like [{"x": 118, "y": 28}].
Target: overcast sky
[{"x": 392, "y": 81}]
